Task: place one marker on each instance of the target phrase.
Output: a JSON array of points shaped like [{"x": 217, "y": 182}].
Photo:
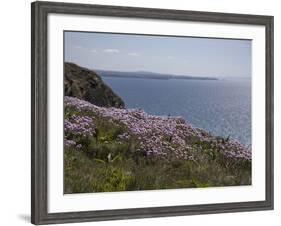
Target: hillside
[
  {"x": 113, "y": 149},
  {"x": 87, "y": 85}
]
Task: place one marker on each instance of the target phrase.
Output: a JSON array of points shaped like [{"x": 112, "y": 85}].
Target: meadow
[{"x": 111, "y": 149}]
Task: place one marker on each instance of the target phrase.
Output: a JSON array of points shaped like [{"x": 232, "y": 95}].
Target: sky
[{"x": 161, "y": 54}]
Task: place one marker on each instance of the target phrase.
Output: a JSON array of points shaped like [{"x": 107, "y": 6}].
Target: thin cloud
[
  {"x": 133, "y": 54},
  {"x": 94, "y": 51},
  {"x": 111, "y": 50},
  {"x": 171, "y": 57},
  {"x": 78, "y": 47}
]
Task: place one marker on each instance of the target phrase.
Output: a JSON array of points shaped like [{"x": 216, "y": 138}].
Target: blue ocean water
[{"x": 222, "y": 107}]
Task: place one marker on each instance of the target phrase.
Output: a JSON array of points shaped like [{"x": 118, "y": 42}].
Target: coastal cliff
[
  {"x": 110, "y": 148},
  {"x": 87, "y": 85}
]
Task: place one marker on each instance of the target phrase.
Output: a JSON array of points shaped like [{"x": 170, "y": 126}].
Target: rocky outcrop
[{"x": 85, "y": 84}]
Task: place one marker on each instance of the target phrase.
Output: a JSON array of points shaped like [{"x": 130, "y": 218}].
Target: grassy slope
[{"x": 106, "y": 163}]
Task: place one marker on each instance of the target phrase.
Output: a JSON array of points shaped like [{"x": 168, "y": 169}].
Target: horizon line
[{"x": 153, "y": 72}]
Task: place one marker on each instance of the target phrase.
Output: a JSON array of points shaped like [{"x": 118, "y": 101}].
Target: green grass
[
  {"x": 106, "y": 164},
  {"x": 123, "y": 173}
]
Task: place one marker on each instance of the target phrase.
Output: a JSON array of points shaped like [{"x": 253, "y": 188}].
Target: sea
[{"x": 222, "y": 107}]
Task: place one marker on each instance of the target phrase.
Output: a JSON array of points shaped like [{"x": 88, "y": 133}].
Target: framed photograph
[{"x": 140, "y": 112}]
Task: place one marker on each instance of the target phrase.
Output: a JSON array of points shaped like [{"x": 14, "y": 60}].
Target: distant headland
[{"x": 148, "y": 75}]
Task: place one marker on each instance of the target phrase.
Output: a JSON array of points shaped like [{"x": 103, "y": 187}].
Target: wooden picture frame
[{"x": 39, "y": 95}]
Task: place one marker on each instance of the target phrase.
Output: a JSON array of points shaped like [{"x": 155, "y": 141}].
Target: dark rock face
[{"x": 87, "y": 85}]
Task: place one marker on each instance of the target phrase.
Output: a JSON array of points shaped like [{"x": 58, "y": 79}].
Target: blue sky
[{"x": 162, "y": 54}]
